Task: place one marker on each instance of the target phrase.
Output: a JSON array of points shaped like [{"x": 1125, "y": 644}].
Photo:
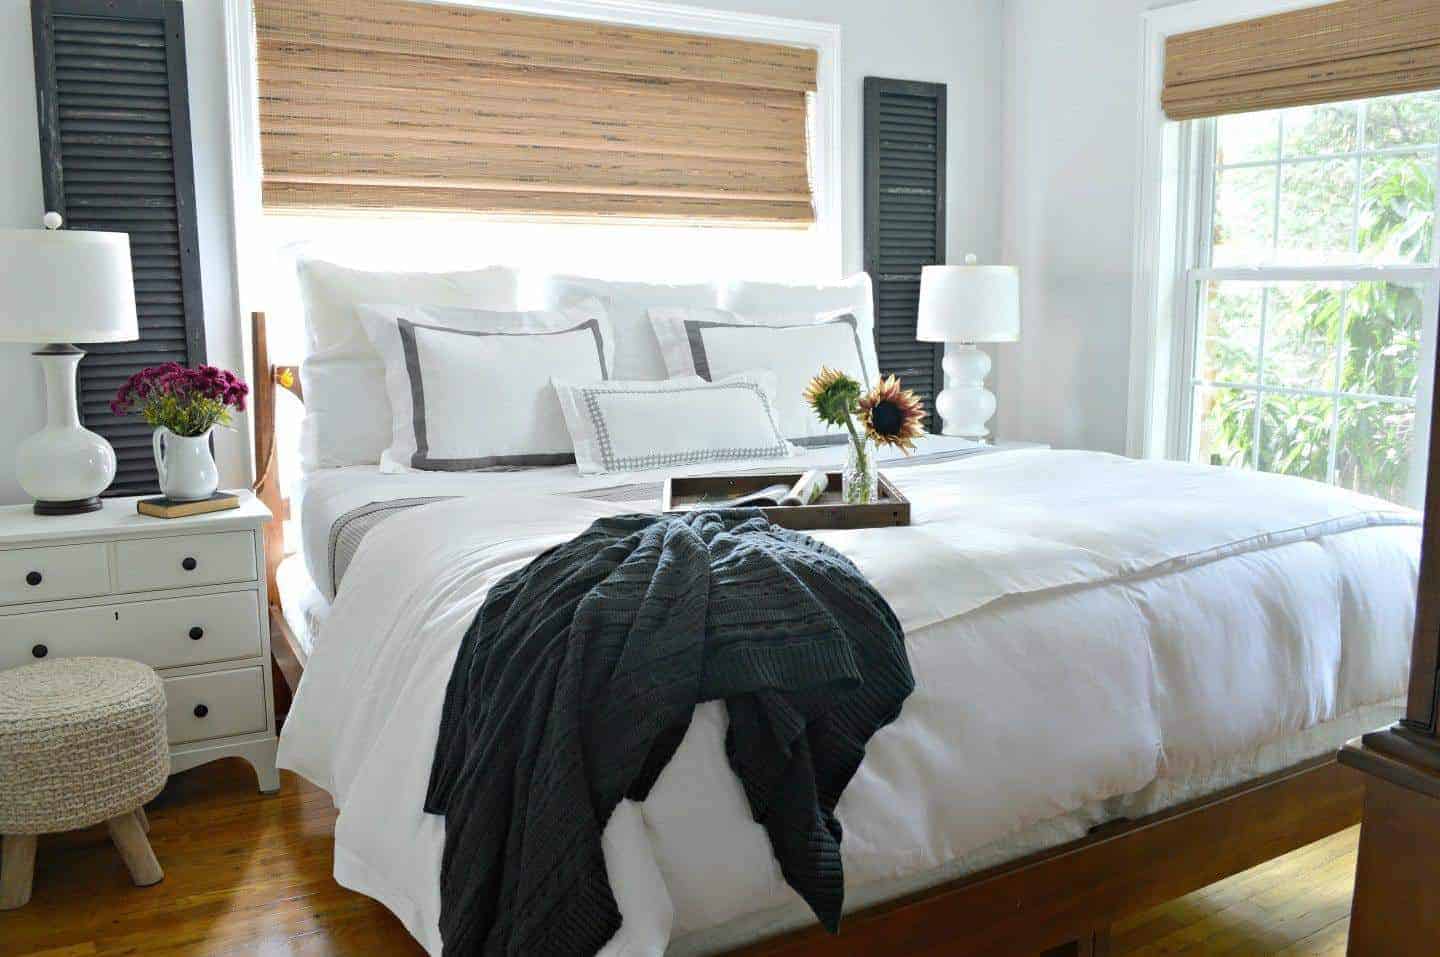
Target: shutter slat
[
  {"x": 904, "y": 222},
  {"x": 119, "y": 132}
]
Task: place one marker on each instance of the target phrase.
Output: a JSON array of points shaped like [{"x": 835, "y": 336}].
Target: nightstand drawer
[
  {"x": 146, "y": 564},
  {"x": 215, "y": 705},
  {"x": 49, "y": 574},
  {"x": 164, "y": 634}
]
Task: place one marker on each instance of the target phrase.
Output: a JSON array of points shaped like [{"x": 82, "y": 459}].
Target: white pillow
[
  {"x": 637, "y": 354},
  {"x": 634, "y": 426},
  {"x": 471, "y": 389},
  {"x": 713, "y": 343},
  {"x": 347, "y": 414},
  {"x": 854, "y": 295}
]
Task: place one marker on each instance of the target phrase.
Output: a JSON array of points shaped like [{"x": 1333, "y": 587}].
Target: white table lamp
[
  {"x": 964, "y": 305},
  {"x": 58, "y": 288}
]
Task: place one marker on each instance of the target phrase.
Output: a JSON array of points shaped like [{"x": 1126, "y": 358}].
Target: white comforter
[{"x": 1082, "y": 627}]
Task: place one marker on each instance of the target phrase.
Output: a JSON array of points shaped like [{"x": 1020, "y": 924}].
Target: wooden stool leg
[
  {"x": 134, "y": 848},
  {"x": 144, "y": 821},
  {"x": 17, "y": 869}
]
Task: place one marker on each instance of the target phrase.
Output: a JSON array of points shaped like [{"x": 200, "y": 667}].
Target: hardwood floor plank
[{"x": 249, "y": 875}]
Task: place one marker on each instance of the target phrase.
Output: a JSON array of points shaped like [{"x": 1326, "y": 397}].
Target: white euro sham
[
  {"x": 470, "y": 389},
  {"x": 715, "y": 343}
]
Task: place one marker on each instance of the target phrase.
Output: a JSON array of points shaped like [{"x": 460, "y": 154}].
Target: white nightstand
[{"x": 185, "y": 596}]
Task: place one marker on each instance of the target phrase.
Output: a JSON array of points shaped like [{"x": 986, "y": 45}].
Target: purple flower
[{"x": 185, "y": 385}]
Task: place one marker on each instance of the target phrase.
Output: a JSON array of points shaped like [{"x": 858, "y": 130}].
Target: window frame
[
  {"x": 1165, "y": 249},
  {"x": 1196, "y": 269}
]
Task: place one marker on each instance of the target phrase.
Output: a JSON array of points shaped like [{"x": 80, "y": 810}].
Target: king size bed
[{"x": 1130, "y": 680}]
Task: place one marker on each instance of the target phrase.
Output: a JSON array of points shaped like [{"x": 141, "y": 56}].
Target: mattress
[{"x": 1190, "y": 628}]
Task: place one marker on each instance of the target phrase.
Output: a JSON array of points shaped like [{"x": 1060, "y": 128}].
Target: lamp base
[
  {"x": 77, "y": 507},
  {"x": 64, "y": 467},
  {"x": 965, "y": 405}
]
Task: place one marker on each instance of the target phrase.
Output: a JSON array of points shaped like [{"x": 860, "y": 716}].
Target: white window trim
[
  {"x": 1161, "y": 226},
  {"x": 1161, "y": 353},
  {"x": 828, "y": 123}
]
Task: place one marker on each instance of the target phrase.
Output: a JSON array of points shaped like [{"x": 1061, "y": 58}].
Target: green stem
[{"x": 861, "y": 461}]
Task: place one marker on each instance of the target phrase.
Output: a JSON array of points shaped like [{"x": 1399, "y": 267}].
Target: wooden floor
[{"x": 247, "y": 874}]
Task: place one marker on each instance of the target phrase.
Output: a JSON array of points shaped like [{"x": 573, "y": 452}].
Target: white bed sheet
[
  {"x": 301, "y": 603},
  {"x": 1180, "y": 656},
  {"x": 327, "y": 494}
]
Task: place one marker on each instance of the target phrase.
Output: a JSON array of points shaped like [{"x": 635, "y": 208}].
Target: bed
[{"x": 1131, "y": 680}]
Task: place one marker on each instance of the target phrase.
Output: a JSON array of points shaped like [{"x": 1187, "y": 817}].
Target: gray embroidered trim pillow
[
  {"x": 471, "y": 389},
  {"x": 635, "y": 426},
  {"x": 714, "y": 343}
]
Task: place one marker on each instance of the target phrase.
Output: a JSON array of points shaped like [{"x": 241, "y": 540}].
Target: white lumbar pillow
[
  {"x": 347, "y": 413},
  {"x": 637, "y": 354},
  {"x": 635, "y": 426},
  {"x": 470, "y": 389},
  {"x": 714, "y": 343}
]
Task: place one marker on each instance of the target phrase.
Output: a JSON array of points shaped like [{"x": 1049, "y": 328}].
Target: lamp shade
[
  {"x": 969, "y": 304},
  {"x": 63, "y": 287}
]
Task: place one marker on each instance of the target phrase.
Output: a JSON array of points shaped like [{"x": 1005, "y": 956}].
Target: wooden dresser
[{"x": 185, "y": 596}]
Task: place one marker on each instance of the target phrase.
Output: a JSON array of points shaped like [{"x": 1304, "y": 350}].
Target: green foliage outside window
[{"x": 1360, "y": 339}]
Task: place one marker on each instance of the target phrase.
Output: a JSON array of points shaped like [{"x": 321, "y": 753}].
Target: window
[{"x": 1311, "y": 284}]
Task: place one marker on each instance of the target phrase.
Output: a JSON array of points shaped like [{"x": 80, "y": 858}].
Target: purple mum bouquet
[{"x": 188, "y": 402}]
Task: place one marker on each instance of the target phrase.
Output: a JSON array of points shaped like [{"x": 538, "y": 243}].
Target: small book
[
  {"x": 163, "y": 507},
  {"x": 804, "y": 492}
]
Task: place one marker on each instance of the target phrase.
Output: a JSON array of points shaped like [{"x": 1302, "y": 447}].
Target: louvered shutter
[
  {"x": 904, "y": 222},
  {"x": 115, "y": 146}
]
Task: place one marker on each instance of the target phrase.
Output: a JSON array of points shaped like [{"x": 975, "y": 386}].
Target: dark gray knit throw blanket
[{"x": 577, "y": 681}]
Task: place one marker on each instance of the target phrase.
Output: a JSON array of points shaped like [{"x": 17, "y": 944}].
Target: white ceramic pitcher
[{"x": 187, "y": 469}]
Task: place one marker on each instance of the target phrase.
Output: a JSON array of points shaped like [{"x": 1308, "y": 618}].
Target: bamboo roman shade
[
  {"x": 401, "y": 105},
  {"x": 1340, "y": 51}
]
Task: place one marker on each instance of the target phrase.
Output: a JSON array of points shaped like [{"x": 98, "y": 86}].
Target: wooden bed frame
[{"x": 1058, "y": 903}]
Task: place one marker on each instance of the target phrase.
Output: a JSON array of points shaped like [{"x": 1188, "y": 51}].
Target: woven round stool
[{"x": 82, "y": 740}]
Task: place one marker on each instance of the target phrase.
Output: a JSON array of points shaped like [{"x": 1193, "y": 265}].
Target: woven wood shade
[
  {"x": 400, "y": 105},
  {"x": 1341, "y": 51}
]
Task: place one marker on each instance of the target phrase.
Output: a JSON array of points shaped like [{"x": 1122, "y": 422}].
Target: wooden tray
[{"x": 682, "y": 493}]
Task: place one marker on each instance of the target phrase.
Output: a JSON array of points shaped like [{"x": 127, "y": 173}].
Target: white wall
[
  {"x": 951, "y": 41},
  {"x": 1071, "y": 87},
  {"x": 22, "y": 203},
  {"x": 956, "y": 42}
]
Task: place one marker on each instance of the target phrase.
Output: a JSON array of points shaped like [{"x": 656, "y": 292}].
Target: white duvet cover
[{"x": 1089, "y": 635}]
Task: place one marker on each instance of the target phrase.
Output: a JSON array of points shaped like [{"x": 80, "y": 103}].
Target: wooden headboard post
[
  {"x": 288, "y": 656},
  {"x": 264, "y": 378}
]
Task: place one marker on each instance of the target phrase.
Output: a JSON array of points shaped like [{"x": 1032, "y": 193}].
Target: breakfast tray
[{"x": 683, "y": 493}]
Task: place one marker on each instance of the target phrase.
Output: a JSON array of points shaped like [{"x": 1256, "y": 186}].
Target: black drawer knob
[
  {"x": 33, "y": 579},
  {"x": 189, "y": 564},
  {"x": 39, "y": 651},
  {"x": 197, "y": 633},
  {"x": 201, "y": 711}
]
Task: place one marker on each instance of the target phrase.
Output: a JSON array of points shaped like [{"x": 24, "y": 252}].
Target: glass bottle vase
[{"x": 859, "y": 483}]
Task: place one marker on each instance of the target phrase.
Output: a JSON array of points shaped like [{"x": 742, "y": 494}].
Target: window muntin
[{"x": 1314, "y": 273}]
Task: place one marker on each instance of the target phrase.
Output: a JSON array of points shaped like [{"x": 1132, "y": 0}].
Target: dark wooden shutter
[
  {"x": 904, "y": 222},
  {"x": 115, "y": 147}
]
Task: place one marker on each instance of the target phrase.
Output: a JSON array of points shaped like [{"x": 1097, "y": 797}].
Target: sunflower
[
  {"x": 892, "y": 416},
  {"x": 832, "y": 395}
]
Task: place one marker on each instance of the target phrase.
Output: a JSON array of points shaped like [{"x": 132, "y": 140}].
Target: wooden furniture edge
[
  {"x": 266, "y": 380},
  {"x": 1396, "y": 907},
  {"x": 1065, "y": 898}
]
